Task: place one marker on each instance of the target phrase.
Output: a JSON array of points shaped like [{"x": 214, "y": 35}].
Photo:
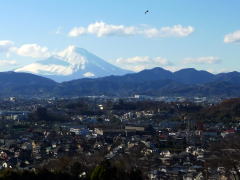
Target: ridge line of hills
[{"x": 152, "y": 82}]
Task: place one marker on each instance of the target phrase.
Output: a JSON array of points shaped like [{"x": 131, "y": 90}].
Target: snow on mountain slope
[{"x": 72, "y": 63}]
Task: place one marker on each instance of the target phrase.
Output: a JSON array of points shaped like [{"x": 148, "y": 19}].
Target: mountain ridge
[{"x": 153, "y": 82}]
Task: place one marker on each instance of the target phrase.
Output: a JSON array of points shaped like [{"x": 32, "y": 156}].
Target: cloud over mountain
[
  {"x": 139, "y": 63},
  {"x": 232, "y": 37},
  {"x": 5, "y": 45},
  {"x": 5, "y": 62},
  {"x": 31, "y": 50},
  {"x": 202, "y": 60}
]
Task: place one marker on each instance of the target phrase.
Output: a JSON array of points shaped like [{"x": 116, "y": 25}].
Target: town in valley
[{"x": 153, "y": 137}]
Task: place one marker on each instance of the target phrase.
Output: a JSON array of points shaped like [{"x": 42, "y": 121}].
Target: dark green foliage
[
  {"x": 31, "y": 175},
  {"x": 135, "y": 174},
  {"x": 77, "y": 168},
  {"x": 42, "y": 114},
  {"x": 227, "y": 111},
  {"x": 106, "y": 171},
  {"x": 84, "y": 108}
]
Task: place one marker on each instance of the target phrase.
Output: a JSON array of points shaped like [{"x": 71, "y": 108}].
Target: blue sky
[{"x": 174, "y": 34}]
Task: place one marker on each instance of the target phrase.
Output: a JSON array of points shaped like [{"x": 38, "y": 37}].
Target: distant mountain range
[
  {"x": 154, "y": 82},
  {"x": 72, "y": 63},
  {"x": 25, "y": 84}
]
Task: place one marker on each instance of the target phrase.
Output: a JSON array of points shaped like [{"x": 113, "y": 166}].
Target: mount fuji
[{"x": 72, "y": 63}]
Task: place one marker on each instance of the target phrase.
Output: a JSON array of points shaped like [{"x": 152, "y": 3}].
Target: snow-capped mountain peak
[
  {"x": 72, "y": 63},
  {"x": 72, "y": 56}
]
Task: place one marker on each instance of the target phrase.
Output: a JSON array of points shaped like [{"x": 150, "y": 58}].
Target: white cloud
[
  {"x": 101, "y": 29},
  {"x": 133, "y": 60},
  {"x": 174, "y": 31},
  {"x": 161, "y": 61},
  {"x": 31, "y": 50},
  {"x": 139, "y": 63},
  {"x": 202, "y": 60},
  {"x": 5, "y": 45},
  {"x": 143, "y": 59},
  {"x": 137, "y": 68},
  {"x": 232, "y": 37},
  {"x": 8, "y": 62},
  {"x": 77, "y": 31}
]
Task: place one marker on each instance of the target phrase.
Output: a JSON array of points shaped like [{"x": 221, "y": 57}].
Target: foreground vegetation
[{"x": 103, "y": 171}]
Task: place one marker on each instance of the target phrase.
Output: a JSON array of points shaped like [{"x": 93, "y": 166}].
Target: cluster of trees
[
  {"x": 103, "y": 171},
  {"x": 83, "y": 107},
  {"x": 43, "y": 114},
  {"x": 226, "y": 112},
  {"x": 156, "y": 105},
  {"x": 9, "y": 174}
]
